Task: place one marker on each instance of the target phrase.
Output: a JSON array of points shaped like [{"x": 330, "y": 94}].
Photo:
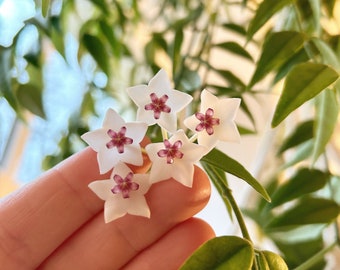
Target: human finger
[
  {"x": 172, "y": 249},
  {"x": 36, "y": 219},
  {"x": 112, "y": 245}
]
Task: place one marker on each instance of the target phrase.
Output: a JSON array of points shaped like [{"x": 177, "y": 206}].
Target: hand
[{"x": 56, "y": 222}]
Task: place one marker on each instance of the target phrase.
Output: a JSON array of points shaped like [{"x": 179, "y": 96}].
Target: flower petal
[
  {"x": 117, "y": 141},
  {"x": 102, "y": 188},
  {"x": 181, "y": 169},
  {"x": 123, "y": 201},
  {"x": 158, "y": 102},
  {"x": 159, "y": 82}
]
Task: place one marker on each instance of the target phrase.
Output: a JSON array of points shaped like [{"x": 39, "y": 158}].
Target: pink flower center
[
  {"x": 207, "y": 121},
  {"x": 157, "y": 105},
  {"x": 118, "y": 139},
  {"x": 171, "y": 151},
  {"x": 124, "y": 185}
]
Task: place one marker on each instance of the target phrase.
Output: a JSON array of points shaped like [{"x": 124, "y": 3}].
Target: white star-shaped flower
[
  {"x": 123, "y": 193},
  {"x": 174, "y": 158},
  {"x": 215, "y": 121},
  {"x": 158, "y": 103},
  {"x": 117, "y": 141}
]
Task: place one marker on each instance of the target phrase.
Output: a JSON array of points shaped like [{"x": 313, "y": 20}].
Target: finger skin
[
  {"x": 112, "y": 245},
  {"x": 169, "y": 252},
  {"x": 36, "y": 219}
]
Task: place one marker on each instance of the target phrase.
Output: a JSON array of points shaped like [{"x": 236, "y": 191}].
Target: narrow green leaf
[
  {"x": 303, "y": 152},
  {"x": 329, "y": 57},
  {"x": 234, "y": 48},
  {"x": 30, "y": 97},
  {"x": 277, "y": 48},
  {"x": 236, "y": 28},
  {"x": 329, "y": 5},
  {"x": 302, "y": 133},
  {"x": 298, "y": 252},
  {"x": 219, "y": 179},
  {"x": 272, "y": 261},
  {"x": 56, "y": 35},
  {"x": 302, "y": 83},
  {"x": 101, "y": 4},
  {"x": 264, "y": 12},
  {"x": 97, "y": 49},
  {"x": 108, "y": 32},
  {"x": 224, "y": 252},
  {"x": 45, "y": 5},
  {"x": 229, "y": 165},
  {"x": 190, "y": 80},
  {"x": 299, "y": 57},
  {"x": 316, "y": 8},
  {"x": 327, "y": 111},
  {"x": 303, "y": 182},
  {"x": 309, "y": 210},
  {"x": 176, "y": 53},
  {"x": 230, "y": 77},
  {"x": 5, "y": 79}
]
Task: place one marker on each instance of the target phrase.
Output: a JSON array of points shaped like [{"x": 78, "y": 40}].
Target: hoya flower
[
  {"x": 174, "y": 158},
  {"x": 123, "y": 193},
  {"x": 117, "y": 141},
  {"x": 158, "y": 103},
  {"x": 215, "y": 121}
]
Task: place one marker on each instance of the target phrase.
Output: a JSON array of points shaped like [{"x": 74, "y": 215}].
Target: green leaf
[
  {"x": 327, "y": 110},
  {"x": 316, "y": 8},
  {"x": 299, "y": 57},
  {"x": 229, "y": 165},
  {"x": 97, "y": 49},
  {"x": 56, "y": 35},
  {"x": 329, "y": 57},
  {"x": 302, "y": 133},
  {"x": 224, "y": 252},
  {"x": 308, "y": 210},
  {"x": 230, "y": 77},
  {"x": 277, "y": 48},
  {"x": 329, "y": 5},
  {"x": 303, "y": 151},
  {"x": 45, "y": 4},
  {"x": 190, "y": 80},
  {"x": 219, "y": 179},
  {"x": 271, "y": 261},
  {"x": 264, "y": 12},
  {"x": 108, "y": 32},
  {"x": 102, "y": 5},
  {"x": 303, "y": 182},
  {"x": 302, "y": 83},
  {"x": 298, "y": 252},
  {"x": 176, "y": 53},
  {"x": 234, "y": 48},
  {"x": 29, "y": 97},
  {"x": 236, "y": 28},
  {"x": 5, "y": 79}
]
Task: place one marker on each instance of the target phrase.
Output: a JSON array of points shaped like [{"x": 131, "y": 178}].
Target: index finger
[{"x": 40, "y": 216}]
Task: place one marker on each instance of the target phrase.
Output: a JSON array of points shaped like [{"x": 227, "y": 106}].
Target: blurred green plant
[{"x": 299, "y": 54}]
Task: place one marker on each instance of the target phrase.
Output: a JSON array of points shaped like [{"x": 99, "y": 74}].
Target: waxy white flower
[
  {"x": 215, "y": 121},
  {"x": 174, "y": 158},
  {"x": 158, "y": 103},
  {"x": 117, "y": 141},
  {"x": 123, "y": 193}
]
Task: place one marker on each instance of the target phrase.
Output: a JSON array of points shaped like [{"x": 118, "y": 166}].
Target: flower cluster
[{"x": 117, "y": 143}]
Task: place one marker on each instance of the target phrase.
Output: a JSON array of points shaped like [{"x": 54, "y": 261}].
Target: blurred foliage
[{"x": 299, "y": 53}]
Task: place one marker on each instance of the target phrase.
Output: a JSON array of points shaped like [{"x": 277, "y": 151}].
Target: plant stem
[
  {"x": 227, "y": 192},
  {"x": 316, "y": 258}
]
